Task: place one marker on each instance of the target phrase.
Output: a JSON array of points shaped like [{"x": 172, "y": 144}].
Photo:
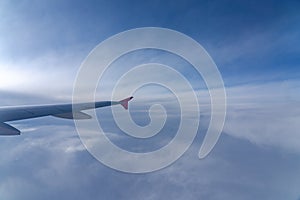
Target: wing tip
[{"x": 124, "y": 102}]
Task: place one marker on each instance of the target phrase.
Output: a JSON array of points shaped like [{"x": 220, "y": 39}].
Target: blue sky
[{"x": 254, "y": 45}]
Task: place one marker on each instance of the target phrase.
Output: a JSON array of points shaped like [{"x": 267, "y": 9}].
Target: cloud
[
  {"x": 257, "y": 156},
  {"x": 51, "y": 75},
  {"x": 44, "y": 169},
  {"x": 52, "y": 156},
  {"x": 265, "y": 114},
  {"x": 14, "y": 183}
]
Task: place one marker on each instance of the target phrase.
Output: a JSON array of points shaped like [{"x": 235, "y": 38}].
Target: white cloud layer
[{"x": 265, "y": 114}]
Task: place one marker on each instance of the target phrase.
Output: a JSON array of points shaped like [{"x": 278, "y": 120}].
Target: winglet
[{"x": 124, "y": 102}]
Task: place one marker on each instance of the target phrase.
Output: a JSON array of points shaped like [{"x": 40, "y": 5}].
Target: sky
[{"x": 254, "y": 46}]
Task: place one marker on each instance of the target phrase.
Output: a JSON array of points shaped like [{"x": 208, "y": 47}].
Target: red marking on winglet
[{"x": 124, "y": 102}]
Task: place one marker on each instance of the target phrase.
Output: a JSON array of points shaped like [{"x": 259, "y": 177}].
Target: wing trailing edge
[{"x": 75, "y": 115}]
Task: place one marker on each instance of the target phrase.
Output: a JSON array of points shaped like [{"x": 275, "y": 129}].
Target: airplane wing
[{"x": 66, "y": 111}]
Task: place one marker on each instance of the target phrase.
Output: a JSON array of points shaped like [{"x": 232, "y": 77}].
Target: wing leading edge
[{"x": 66, "y": 111}]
